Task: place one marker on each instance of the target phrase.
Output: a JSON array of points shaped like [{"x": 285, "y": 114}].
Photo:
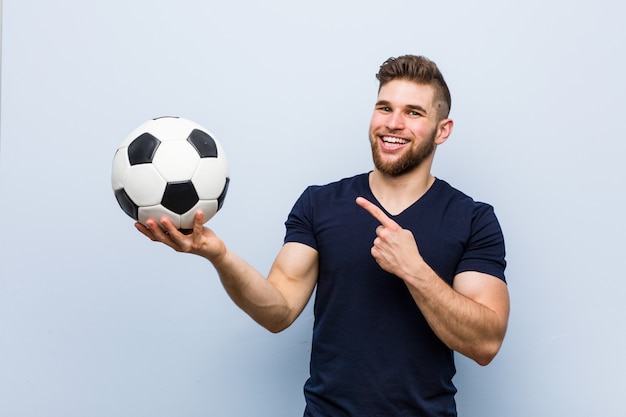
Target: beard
[{"x": 410, "y": 160}]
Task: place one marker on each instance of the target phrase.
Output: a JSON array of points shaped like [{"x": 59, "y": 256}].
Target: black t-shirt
[{"x": 373, "y": 353}]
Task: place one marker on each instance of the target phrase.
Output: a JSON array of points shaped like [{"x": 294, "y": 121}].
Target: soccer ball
[{"x": 171, "y": 167}]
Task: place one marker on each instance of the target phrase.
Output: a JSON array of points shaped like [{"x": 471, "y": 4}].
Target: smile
[
  {"x": 394, "y": 140},
  {"x": 392, "y": 143}
]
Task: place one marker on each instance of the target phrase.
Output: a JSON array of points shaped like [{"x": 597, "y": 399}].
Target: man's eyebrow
[
  {"x": 408, "y": 106},
  {"x": 416, "y": 107}
]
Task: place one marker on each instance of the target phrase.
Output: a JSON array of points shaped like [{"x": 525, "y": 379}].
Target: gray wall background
[{"x": 95, "y": 320}]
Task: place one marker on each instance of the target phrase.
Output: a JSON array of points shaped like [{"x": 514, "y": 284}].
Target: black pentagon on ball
[
  {"x": 179, "y": 197},
  {"x": 222, "y": 197},
  {"x": 127, "y": 204},
  {"x": 204, "y": 143},
  {"x": 142, "y": 149}
]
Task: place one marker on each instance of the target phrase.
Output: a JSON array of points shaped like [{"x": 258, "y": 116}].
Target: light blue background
[{"x": 95, "y": 320}]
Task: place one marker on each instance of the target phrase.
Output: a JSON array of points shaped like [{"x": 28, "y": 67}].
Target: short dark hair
[{"x": 420, "y": 70}]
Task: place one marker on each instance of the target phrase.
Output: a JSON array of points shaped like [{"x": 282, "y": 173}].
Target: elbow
[
  {"x": 275, "y": 323},
  {"x": 483, "y": 353},
  {"x": 275, "y": 328},
  {"x": 486, "y": 353},
  {"x": 484, "y": 360}
]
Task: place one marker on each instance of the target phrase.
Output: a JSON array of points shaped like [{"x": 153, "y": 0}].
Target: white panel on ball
[
  {"x": 170, "y": 128},
  {"x": 208, "y": 208},
  {"x": 144, "y": 185},
  {"x": 176, "y": 160},
  {"x": 120, "y": 169},
  {"x": 205, "y": 176},
  {"x": 157, "y": 212}
]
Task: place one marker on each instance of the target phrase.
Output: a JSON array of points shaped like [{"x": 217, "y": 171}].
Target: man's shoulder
[
  {"x": 447, "y": 191},
  {"x": 355, "y": 183}
]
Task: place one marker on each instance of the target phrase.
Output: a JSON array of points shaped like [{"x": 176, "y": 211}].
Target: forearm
[
  {"x": 251, "y": 292},
  {"x": 274, "y": 302},
  {"x": 463, "y": 324}
]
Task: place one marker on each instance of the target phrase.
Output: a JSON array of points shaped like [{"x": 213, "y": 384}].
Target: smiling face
[{"x": 405, "y": 127}]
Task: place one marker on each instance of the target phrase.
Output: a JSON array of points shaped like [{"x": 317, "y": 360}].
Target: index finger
[{"x": 375, "y": 211}]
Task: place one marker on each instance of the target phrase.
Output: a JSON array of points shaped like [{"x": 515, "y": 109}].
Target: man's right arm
[
  {"x": 274, "y": 302},
  {"x": 277, "y": 301}
]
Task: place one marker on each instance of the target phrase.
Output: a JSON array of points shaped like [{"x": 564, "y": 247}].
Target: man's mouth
[{"x": 393, "y": 142}]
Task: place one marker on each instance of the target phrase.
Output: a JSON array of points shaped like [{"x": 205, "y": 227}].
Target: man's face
[{"x": 404, "y": 127}]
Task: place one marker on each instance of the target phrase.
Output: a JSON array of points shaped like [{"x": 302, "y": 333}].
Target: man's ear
[{"x": 444, "y": 130}]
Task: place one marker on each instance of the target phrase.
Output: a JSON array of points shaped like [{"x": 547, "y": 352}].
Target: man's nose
[{"x": 395, "y": 121}]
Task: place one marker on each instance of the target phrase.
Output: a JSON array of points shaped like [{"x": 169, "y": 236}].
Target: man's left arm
[{"x": 470, "y": 317}]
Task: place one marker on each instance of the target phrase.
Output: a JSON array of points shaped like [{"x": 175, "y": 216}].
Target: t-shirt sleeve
[
  {"x": 299, "y": 223},
  {"x": 485, "y": 251}
]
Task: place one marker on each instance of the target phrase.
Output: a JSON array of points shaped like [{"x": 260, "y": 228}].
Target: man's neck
[{"x": 396, "y": 194}]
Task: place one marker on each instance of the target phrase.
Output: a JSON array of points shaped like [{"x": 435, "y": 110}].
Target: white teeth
[{"x": 389, "y": 139}]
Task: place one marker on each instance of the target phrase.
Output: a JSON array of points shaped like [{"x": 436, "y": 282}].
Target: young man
[{"x": 407, "y": 268}]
